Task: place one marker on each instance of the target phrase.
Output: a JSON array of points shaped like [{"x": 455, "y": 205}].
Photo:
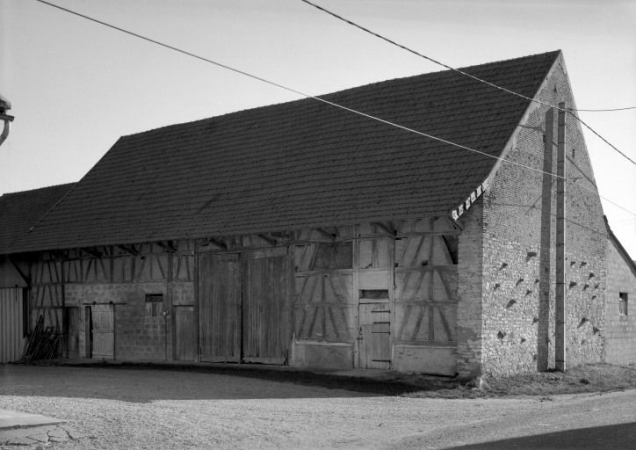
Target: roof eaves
[{"x": 531, "y": 106}]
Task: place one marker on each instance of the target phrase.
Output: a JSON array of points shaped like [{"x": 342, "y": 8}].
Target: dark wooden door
[
  {"x": 103, "y": 321},
  {"x": 220, "y": 307},
  {"x": 266, "y": 307},
  {"x": 72, "y": 331},
  {"x": 185, "y": 333}
]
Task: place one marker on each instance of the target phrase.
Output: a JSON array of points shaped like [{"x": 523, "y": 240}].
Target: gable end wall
[{"x": 519, "y": 249}]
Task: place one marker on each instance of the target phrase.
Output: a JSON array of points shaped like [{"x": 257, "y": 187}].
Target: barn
[
  {"x": 438, "y": 239},
  {"x": 17, "y": 213}
]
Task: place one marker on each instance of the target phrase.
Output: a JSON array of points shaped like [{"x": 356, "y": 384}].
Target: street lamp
[{"x": 6, "y": 118}]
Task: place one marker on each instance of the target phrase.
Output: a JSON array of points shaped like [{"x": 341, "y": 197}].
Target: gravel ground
[{"x": 164, "y": 409}]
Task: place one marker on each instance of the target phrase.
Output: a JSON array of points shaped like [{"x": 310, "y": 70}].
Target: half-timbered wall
[
  {"x": 145, "y": 293},
  {"x": 324, "y": 298},
  {"x": 46, "y": 296},
  {"x": 426, "y": 296},
  {"x": 378, "y": 295}
]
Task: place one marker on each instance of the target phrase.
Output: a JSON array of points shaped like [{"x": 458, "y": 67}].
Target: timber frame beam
[
  {"x": 92, "y": 252},
  {"x": 24, "y": 276},
  {"x": 131, "y": 250},
  {"x": 269, "y": 239},
  {"x": 169, "y": 246}
]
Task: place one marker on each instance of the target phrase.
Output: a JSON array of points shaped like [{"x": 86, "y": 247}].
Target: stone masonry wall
[
  {"x": 620, "y": 329},
  {"x": 519, "y": 249},
  {"x": 469, "y": 306}
]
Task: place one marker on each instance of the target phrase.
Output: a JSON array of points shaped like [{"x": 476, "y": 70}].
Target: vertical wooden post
[
  {"x": 560, "y": 329},
  {"x": 197, "y": 301},
  {"x": 169, "y": 313},
  {"x": 355, "y": 247}
]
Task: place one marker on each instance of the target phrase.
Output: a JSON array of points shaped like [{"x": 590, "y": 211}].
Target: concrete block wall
[
  {"x": 620, "y": 330},
  {"x": 518, "y": 321},
  {"x": 137, "y": 337}
]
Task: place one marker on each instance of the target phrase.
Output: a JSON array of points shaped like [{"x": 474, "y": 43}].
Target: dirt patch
[
  {"x": 583, "y": 379},
  {"x": 589, "y": 378}
]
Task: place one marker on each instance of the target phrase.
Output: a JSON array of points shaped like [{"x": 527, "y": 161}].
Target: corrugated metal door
[
  {"x": 266, "y": 307},
  {"x": 11, "y": 325},
  {"x": 103, "y": 319},
  {"x": 220, "y": 307}
]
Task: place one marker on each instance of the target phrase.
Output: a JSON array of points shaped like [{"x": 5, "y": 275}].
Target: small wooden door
[
  {"x": 103, "y": 326},
  {"x": 185, "y": 333},
  {"x": 374, "y": 336},
  {"x": 266, "y": 307},
  {"x": 71, "y": 328},
  {"x": 220, "y": 307}
]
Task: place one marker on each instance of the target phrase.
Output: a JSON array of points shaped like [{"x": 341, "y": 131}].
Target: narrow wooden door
[
  {"x": 220, "y": 307},
  {"x": 374, "y": 337},
  {"x": 71, "y": 327},
  {"x": 185, "y": 336},
  {"x": 103, "y": 320},
  {"x": 266, "y": 308}
]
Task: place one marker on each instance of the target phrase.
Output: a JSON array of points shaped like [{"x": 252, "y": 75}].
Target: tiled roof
[
  {"x": 302, "y": 163},
  {"x": 21, "y": 210}
]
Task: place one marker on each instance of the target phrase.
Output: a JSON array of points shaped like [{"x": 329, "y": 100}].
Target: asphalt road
[{"x": 161, "y": 409}]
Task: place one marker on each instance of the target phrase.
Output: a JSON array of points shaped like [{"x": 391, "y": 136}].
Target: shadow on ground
[
  {"x": 136, "y": 382},
  {"x": 621, "y": 436}
]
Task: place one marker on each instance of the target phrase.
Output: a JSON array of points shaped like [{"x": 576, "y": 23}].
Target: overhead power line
[
  {"x": 439, "y": 63},
  {"x": 295, "y": 91},
  {"x": 480, "y": 80},
  {"x": 607, "y": 110},
  {"x": 286, "y": 88},
  {"x": 601, "y": 137}
]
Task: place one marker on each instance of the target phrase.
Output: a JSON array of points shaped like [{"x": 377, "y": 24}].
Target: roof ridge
[{"x": 343, "y": 91}]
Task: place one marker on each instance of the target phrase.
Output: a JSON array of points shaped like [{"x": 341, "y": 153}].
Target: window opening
[
  {"x": 154, "y": 305},
  {"x": 622, "y": 303},
  {"x": 374, "y": 294}
]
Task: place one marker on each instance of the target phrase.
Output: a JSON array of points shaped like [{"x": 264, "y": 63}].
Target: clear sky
[{"x": 77, "y": 86}]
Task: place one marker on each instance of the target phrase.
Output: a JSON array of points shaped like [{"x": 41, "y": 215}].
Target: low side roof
[
  {"x": 302, "y": 163},
  {"x": 619, "y": 247},
  {"x": 20, "y": 211}
]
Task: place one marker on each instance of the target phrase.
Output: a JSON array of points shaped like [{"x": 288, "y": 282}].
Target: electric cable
[
  {"x": 286, "y": 88},
  {"x": 333, "y": 104},
  {"x": 428, "y": 58}
]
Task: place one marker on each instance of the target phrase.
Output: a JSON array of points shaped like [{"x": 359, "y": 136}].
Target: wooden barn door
[
  {"x": 266, "y": 307},
  {"x": 185, "y": 327},
  {"x": 375, "y": 288},
  {"x": 375, "y": 335},
  {"x": 72, "y": 331},
  {"x": 220, "y": 307},
  {"x": 103, "y": 326}
]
